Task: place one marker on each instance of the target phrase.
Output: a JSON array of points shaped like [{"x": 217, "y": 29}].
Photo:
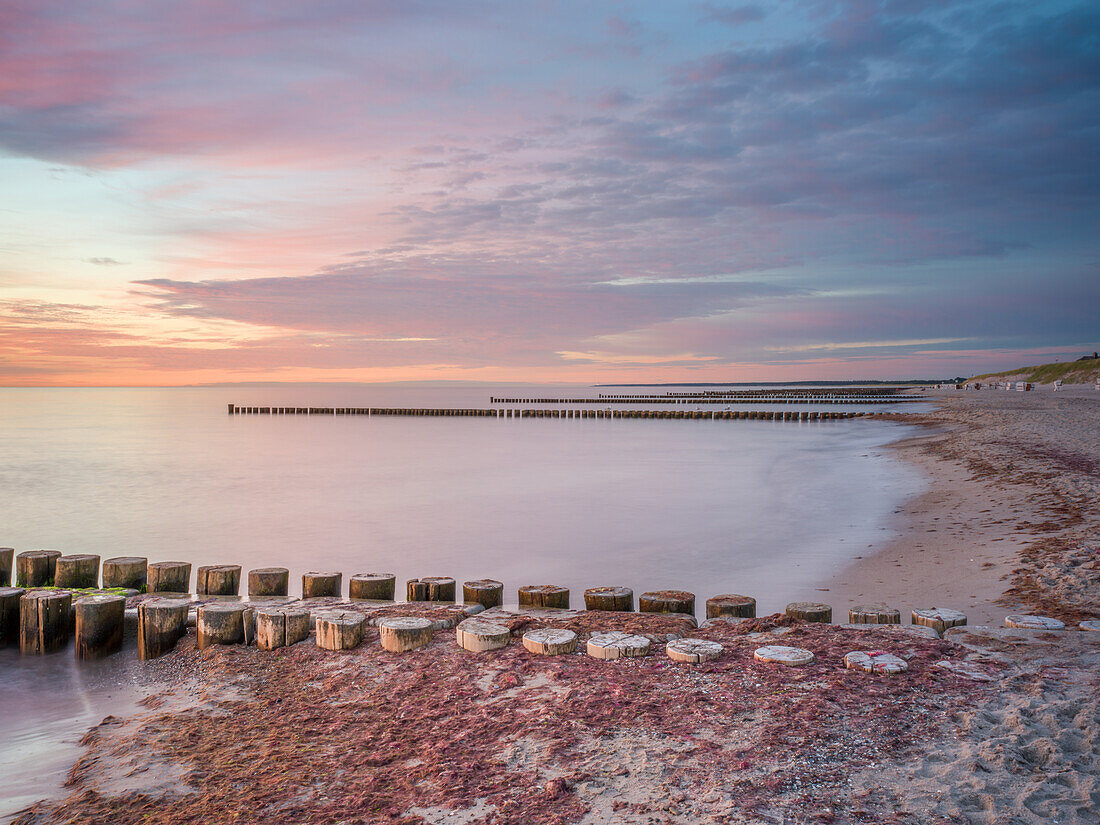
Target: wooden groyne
[
  {"x": 512, "y": 412},
  {"x": 43, "y": 620},
  {"x": 671, "y": 399}
]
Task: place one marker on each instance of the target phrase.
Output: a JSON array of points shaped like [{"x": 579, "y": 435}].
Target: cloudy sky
[{"x": 549, "y": 191}]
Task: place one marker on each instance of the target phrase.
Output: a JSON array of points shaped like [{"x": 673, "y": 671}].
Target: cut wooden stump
[
  {"x": 99, "y": 618},
  {"x": 9, "y": 615},
  {"x": 731, "y": 604},
  {"x": 35, "y": 568},
  {"x": 77, "y": 570},
  {"x": 939, "y": 618},
  {"x": 218, "y": 580},
  {"x": 874, "y": 614},
  {"x": 431, "y": 589},
  {"x": 169, "y": 577},
  {"x": 667, "y": 601},
  {"x": 321, "y": 585},
  {"x": 405, "y": 633},
  {"x": 377, "y": 587},
  {"x": 544, "y": 595},
  {"x": 479, "y": 635},
  {"x": 875, "y": 661},
  {"x": 486, "y": 592},
  {"x": 7, "y": 559},
  {"x": 783, "y": 655},
  {"x": 44, "y": 621},
  {"x": 617, "y": 599},
  {"x": 615, "y": 644},
  {"x": 810, "y": 611},
  {"x": 224, "y": 623},
  {"x": 550, "y": 641},
  {"x": 340, "y": 630},
  {"x": 693, "y": 651},
  {"x": 1034, "y": 622},
  {"x": 1090, "y": 624},
  {"x": 268, "y": 581},
  {"x": 126, "y": 571},
  {"x": 161, "y": 624},
  {"x": 281, "y": 626}
]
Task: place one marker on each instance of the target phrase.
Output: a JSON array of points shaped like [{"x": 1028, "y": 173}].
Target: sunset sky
[{"x": 345, "y": 190}]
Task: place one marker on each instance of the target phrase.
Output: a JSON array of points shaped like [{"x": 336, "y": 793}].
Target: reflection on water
[{"x": 765, "y": 508}]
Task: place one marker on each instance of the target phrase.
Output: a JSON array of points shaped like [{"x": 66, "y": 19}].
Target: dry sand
[{"x": 986, "y": 726}]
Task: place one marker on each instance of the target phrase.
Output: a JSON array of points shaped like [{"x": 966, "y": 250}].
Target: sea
[{"x": 765, "y": 508}]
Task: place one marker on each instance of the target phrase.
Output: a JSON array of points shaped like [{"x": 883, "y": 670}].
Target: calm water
[{"x": 765, "y": 508}]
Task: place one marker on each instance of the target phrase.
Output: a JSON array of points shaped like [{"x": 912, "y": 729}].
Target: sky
[{"x": 348, "y": 190}]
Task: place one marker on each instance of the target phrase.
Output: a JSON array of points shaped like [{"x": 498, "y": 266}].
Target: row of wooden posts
[
  {"x": 638, "y": 399},
  {"x": 41, "y": 614},
  {"x": 712, "y": 415}
]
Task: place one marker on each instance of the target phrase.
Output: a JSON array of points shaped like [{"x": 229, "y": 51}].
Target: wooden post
[
  {"x": 783, "y": 655},
  {"x": 223, "y": 623},
  {"x": 161, "y": 623},
  {"x": 218, "y": 580},
  {"x": 619, "y": 599},
  {"x": 731, "y": 604},
  {"x": 99, "y": 625},
  {"x": 617, "y": 645},
  {"x": 374, "y": 586},
  {"x": 550, "y": 641},
  {"x": 810, "y": 611},
  {"x": 431, "y": 589},
  {"x": 874, "y": 614},
  {"x": 486, "y": 592},
  {"x": 405, "y": 633},
  {"x": 340, "y": 630},
  {"x": 78, "y": 570},
  {"x": 268, "y": 581},
  {"x": 126, "y": 571},
  {"x": 544, "y": 595},
  {"x": 479, "y": 635},
  {"x": 693, "y": 651},
  {"x": 281, "y": 626},
  {"x": 7, "y": 559},
  {"x": 318, "y": 585},
  {"x": 667, "y": 601},
  {"x": 35, "y": 568},
  {"x": 939, "y": 618},
  {"x": 9, "y": 615},
  {"x": 169, "y": 577},
  {"x": 44, "y": 621}
]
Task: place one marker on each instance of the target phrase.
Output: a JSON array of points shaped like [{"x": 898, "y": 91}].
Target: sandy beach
[{"x": 987, "y": 725}]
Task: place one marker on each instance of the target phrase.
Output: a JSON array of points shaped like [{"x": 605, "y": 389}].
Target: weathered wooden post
[
  {"x": 616, "y": 644},
  {"x": 486, "y": 592},
  {"x": 480, "y": 635},
  {"x": 810, "y": 611},
  {"x": 667, "y": 601},
  {"x": 731, "y": 604},
  {"x": 544, "y": 595},
  {"x": 405, "y": 633},
  {"x": 340, "y": 630},
  {"x": 281, "y": 626},
  {"x": 126, "y": 571},
  {"x": 9, "y": 615},
  {"x": 550, "y": 641},
  {"x": 218, "y": 580},
  {"x": 874, "y": 614},
  {"x": 319, "y": 585},
  {"x": 693, "y": 651},
  {"x": 7, "y": 559},
  {"x": 939, "y": 619},
  {"x": 224, "y": 623},
  {"x": 268, "y": 581},
  {"x": 99, "y": 619},
  {"x": 35, "y": 568},
  {"x": 169, "y": 577},
  {"x": 44, "y": 621},
  {"x": 161, "y": 624},
  {"x": 77, "y": 570},
  {"x": 619, "y": 599},
  {"x": 431, "y": 589},
  {"x": 372, "y": 586}
]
